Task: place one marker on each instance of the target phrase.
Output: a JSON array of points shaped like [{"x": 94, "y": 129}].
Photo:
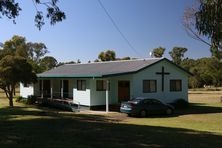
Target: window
[
  {"x": 175, "y": 85},
  {"x": 149, "y": 86},
  {"x": 101, "y": 85},
  {"x": 81, "y": 84}
]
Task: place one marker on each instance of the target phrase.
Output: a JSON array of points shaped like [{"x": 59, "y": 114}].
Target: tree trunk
[
  {"x": 11, "y": 101},
  {"x": 11, "y": 98}
]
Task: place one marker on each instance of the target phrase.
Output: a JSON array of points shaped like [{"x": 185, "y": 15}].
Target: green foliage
[
  {"x": 209, "y": 23},
  {"x": 124, "y": 58},
  {"x": 158, "y": 52},
  {"x": 18, "y": 46},
  {"x": 48, "y": 63},
  {"x": 11, "y": 9},
  {"x": 31, "y": 99},
  {"x": 36, "y": 51},
  {"x": 19, "y": 99},
  {"x": 15, "y": 46},
  {"x": 96, "y": 60},
  {"x": 13, "y": 70},
  {"x": 33, "y": 52},
  {"x": 108, "y": 55},
  {"x": 78, "y": 61},
  {"x": 206, "y": 71},
  {"x": 177, "y": 54}
]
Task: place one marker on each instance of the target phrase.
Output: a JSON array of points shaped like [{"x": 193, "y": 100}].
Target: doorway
[
  {"x": 46, "y": 87},
  {"x": 123, "y": 91},
  {"x": 66, "y": 88}
]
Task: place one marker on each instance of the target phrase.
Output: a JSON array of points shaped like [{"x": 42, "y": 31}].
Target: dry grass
[{"x": 205, "y": 96}]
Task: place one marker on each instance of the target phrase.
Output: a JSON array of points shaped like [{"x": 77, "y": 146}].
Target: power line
[{"x": 118, "y": 29}]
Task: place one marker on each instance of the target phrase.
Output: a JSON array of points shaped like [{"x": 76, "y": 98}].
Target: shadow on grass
[
  {"x": 194, "y": 108},
  {"x": 198, "y": 108},
  {"x": 75, "y": 130}
]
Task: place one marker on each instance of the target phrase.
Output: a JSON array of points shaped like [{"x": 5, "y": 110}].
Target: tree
[
  {"x": 14, "y": 69},
  {"x": 108, "y": 55},
  {"x": 33, "y": 52},
  {"x": 158, "y": 52},
  {"x": 209, "y": 21},
  {"x": 78, "y": 61},
  {"x": 125, "y": 58},
  {"x": 206, "y": 20},
  {"x": 11, "y": 9},
  {"x": 17, "y": 45},
  {"x": 48, "y": 62},
  {"x": 36, "y": 51},
  {"x": 96, "y": 60},
  {"x": 206, "y": 71},
  {"x": 177, "y": 54}
]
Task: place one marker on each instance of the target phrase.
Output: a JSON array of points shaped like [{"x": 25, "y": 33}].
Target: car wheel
[
  {"x": 169, "y": 111},
  {"x": 142, "y": 113}
]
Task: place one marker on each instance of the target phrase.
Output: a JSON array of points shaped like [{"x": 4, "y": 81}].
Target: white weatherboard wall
[
  {"x": 99, "y": 97},
  {"x": 26, "y": 91},
  {"x": 136, "y": 85},
  {"x": 82, "y": 96},
  {"x": 150, "y": 74}
]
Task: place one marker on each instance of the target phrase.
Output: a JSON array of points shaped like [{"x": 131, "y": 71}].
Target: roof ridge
[{"x": 102, "y": 62}]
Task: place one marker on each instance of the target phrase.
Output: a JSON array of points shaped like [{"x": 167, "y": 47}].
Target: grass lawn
[{"x": 32, "y": 126}]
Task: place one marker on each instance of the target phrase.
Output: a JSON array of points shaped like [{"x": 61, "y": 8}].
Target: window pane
[
  {"x": 149, "y": 86},
  {"x": 179, "y": 86},
  {"x": 152, "y": 85},
  {"x": 83, "y": 85},
  {"x": 78, "y": 85},
  {"x": 145, "y": 86},
  {"x": 175, "y": 85},
  {"x": 99, "y": 85}
]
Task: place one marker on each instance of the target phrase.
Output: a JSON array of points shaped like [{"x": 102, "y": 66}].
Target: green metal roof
[{"x": 101, "y": 69}]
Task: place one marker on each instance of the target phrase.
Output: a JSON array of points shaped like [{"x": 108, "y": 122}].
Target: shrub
[
  {"x": 31, "y": 99},
  {"x": 180, "y": 104},
  {"x": 19, "y": 99}
]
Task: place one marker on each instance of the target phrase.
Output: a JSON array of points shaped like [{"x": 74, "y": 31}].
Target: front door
[
  {"x": 123, "y": 90},
  {"x": 46, "y": 88},
  {"x": 65, "y": 88}
]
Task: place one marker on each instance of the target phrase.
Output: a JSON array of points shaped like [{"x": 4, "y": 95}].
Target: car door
[
  {"x": 158, "y": 107},
  {"x": 148, "y": 106}
]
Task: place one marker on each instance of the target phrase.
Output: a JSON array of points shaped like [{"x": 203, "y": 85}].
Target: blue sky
[{"x": 87, "y": 31}]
